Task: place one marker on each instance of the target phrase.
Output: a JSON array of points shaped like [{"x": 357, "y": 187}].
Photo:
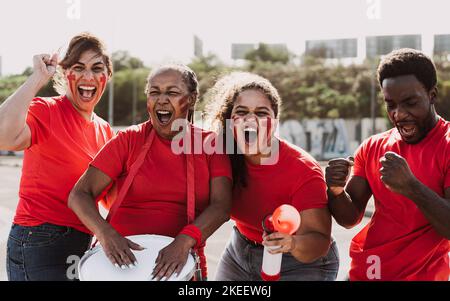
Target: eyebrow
[
  {"x": 257, "y": 108},
  {"x": 95, "y": 64},
  {"x": 407, "y": 98},
  {"x": 168, "y": 88},
  {"x": 263, "y": 108}
]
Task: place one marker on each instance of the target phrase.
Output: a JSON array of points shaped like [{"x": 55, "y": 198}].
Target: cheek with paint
[
  {"x": 183, "y": 106},
  {"x": 269, "y": 126},
  {"x": 234, "y": 125},
  {"x": 72, "y": 79},
  {"x": 102, "y": 84},
  {"x": 266, "y": 128},
  {"x": 149, "y": 107},
  {"x": 237, "y": 126}
]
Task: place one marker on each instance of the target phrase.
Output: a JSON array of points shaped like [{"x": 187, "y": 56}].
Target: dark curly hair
[
  {"x": 220, "y": 104},
  {"x": 408, "y": 61}
]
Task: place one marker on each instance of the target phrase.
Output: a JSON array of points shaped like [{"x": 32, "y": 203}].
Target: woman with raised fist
[{"x": 59, "y": 135}]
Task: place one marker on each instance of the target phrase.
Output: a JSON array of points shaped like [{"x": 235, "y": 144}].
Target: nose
[
  {"x": 162, "y": 98},
  {"x": 251, "y": 117},
  {"x": 88, "y": 75},
  {"x": 399, "y": 113}
]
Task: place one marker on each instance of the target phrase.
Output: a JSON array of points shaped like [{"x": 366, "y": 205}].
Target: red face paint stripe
[
  {"x": 269, "y": 128},
  {"x": 103, "y": 81},
  {"x": 72, "y": 78}
]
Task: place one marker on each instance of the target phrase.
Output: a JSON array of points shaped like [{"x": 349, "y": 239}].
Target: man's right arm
[{"x": 346, "y": 201}]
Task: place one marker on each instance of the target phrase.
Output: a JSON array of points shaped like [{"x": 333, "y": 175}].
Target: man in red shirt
[
  {"x": 59, "y": 136},
  {"x": 407, "y": 170}
]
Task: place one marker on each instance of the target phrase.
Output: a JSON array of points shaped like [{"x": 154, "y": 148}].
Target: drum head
[{"x": 95, "y": 266}]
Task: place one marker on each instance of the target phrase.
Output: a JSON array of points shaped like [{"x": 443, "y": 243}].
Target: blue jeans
[
  {"x": 45, "y": 253},
  {"x": 242, "y": 261}
]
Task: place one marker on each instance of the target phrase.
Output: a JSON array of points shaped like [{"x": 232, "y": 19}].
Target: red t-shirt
[
  {"x": 156, "y": 202},
  {"x": 295, "y": 179},
  {"x": 406, "y": 244},
  {"x": 62, "y": 145}
]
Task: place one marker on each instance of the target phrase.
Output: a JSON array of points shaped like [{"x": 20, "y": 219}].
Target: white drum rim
[{"x": 98, "y": 247}]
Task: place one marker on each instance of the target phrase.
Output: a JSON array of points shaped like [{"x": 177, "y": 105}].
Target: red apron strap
[
  {"x": 190, "y": 178},
  {"x": 190, "y": 188},
  {"x": 129, "y": 179},
  {"x": 190, "y": 175}
]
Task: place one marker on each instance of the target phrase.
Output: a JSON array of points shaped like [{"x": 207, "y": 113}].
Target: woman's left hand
[
  {"x": 284, "y": 242},
  {"x": 173, "y": 257}
]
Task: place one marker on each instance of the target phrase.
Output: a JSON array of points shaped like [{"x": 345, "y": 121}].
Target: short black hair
[{"x": 407, "y": 61}]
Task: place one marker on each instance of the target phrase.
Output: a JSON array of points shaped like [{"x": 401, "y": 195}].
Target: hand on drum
[
  {"x": 117, "y": 249},
  {"x": 172, "y": 258}
]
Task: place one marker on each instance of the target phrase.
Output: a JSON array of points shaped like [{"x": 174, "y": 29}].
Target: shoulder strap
[
  {"x": 132, "y": 173},
  {"x": 190, "y": 174},
  {"x": 190, "y": 177}
]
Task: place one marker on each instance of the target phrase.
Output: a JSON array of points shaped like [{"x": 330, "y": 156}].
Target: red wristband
[{"x": 194, "y": 232}]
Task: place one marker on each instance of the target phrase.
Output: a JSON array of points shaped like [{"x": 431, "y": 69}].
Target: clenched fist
[
  {"x": 44, "y": 66},
  {"x": 337, "y": 173},
  {"x": 395, "y": 173}
]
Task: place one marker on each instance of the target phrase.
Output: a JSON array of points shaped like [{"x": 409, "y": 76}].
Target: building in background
[
  {"x": 332, "y": 49},
  {"x": 441, "y": 44},
  {"x": 198, "y": 47},
  {"x": 239, "y": 51},
  {"x": 381, "y": 45}
]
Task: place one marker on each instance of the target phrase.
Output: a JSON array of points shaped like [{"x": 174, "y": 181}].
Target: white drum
[{"x": 95, "y": 266}]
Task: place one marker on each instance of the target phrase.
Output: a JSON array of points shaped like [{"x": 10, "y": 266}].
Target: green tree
[
  {"x": 208, "y": 69},
  {"x": 268, "y": 54},
  {"x": 122, "y": 60}
]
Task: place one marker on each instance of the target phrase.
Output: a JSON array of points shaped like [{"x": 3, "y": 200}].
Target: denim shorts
[
  {"x": 242, "y": 261},
  {"x": 45, "y": 252}
]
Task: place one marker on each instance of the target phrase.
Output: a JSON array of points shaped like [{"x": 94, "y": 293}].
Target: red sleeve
[
  {"x": 220, "y": 166},
  {"x": 359, "y": 168},
  {"x": 312, "y": 193},
  {"x": 112, "y": 158},
  {"x": 39, "y": 121}
]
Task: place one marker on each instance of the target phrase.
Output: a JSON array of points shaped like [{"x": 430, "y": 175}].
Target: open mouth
[
  {"x": 407, "y": 131},
  {"x": 163, "y": 116},
  {"x": 250, "y": 135},
  {"x": 87, "y": 92}
]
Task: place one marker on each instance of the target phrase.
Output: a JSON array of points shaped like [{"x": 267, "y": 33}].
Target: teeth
[
  {"x": 87, "y": 88},
  {"x": 250, "y": 130},
  {"x": 163, "y": 112}
]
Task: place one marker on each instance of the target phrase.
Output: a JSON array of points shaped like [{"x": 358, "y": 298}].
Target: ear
[{"x": 433, "y": 95}]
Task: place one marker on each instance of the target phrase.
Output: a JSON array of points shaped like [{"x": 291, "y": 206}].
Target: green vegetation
[{"x": 309, "y": 86}]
